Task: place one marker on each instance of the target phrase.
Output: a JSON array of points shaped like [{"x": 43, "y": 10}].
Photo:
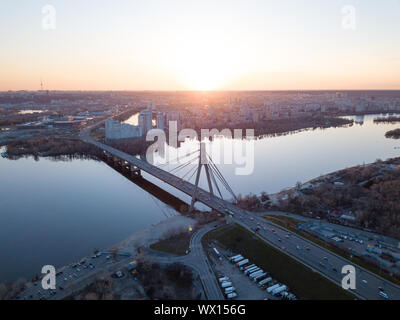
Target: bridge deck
[{"x": 186, "y": 187}]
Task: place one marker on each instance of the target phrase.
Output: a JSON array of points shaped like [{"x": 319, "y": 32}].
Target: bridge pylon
[{"x": 203, "y": 161}]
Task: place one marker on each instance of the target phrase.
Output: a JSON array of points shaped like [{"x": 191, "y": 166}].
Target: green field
[
  {"x": 301, "y": 280},
  {"x": 175, "y": 245}
]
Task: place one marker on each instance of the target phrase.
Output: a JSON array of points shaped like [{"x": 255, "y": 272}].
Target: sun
[
  {"x": 202, "y": 75},
  {"x": 203, "y": 62}
]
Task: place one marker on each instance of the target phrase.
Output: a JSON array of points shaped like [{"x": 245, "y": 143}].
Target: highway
[{"x": 318, "y": 258}]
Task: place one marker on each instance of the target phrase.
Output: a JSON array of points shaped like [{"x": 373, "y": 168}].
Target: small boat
[{"x": 4, "y": 154}]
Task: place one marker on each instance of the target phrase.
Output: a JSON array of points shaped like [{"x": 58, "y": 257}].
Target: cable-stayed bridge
[{"x": 209, "y": 198}]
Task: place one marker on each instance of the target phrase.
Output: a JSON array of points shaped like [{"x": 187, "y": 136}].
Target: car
[
  {"x": 365, "y": 281},
  {"x": 380, "y": 289},
  {"x": 383, "y": 295},
  {"x": 322, "y": 265},
  {"x": 334, "y": 269},
  {"x": 279, "y": 239},
  {"x": 325, "y": 258},
  {"x": 308, "y": 248},
  {"x": 298, "y": 248}
]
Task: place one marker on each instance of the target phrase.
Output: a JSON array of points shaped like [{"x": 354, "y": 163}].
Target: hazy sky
[{"x": 202, "y": 44}]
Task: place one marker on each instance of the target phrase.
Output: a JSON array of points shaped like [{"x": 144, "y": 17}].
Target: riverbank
[
  {"x": 393, "y": 134},
  {"x": 277, "y": 127},
  {"x": 365, "y": 196}
]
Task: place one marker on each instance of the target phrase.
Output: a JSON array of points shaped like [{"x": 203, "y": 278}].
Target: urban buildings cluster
[{"x": 195, "y": 110}]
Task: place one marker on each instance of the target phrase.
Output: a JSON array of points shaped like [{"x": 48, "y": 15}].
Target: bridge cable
[
  {"x": 183, "y": 165},
  {"x": 197, "y": 168},
  {"x": 189, "y": 171},
  {"x": 221, "y": 177},
  {"x": 178, "y": 158},
  {"x": 215, "y": 183}
]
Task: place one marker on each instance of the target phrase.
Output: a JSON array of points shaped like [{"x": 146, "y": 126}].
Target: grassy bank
[
  {"x": 301, "y": 280},
  {"x": 177, "y": 244},
  {"x": 291, "y": 224}
]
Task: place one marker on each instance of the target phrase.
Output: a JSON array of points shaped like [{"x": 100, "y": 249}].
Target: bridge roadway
[{"x": 186, "y": 187}]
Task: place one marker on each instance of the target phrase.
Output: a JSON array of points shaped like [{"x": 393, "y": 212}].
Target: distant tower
[
  {"x": 41, "y": 84},
  {"x": 160, "y": 120}
]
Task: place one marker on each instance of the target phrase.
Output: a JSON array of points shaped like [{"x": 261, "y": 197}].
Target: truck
[
  {"x": 217, "y": 253},
  {"x": 234, "y": 257},
  {"x": 229, "y": 290},
  {"x": 279, "y": 290},
  {"x": 241, "y": 263},
  {"x": 247, "y": 267},
  {"x": 264, "y": 281},
  {"x": 231, "y": 295},
  {"x": 250, "y": 270},
  {"x": 256, "y": 273},
  {"x": 226, "y": 284},
  {"x": 223, "y": 279},
  {"x": 259, "y": 277},
  {"x": 237, "y": 259},
  {"x": 269, "y": 289}
]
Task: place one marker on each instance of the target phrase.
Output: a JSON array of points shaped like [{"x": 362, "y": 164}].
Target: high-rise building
[
  {"x": 160, "y": 120},
  {"x": 145, "y": 121}
]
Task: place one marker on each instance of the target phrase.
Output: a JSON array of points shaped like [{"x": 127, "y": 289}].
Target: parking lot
[{"x": 245, "y": 288}]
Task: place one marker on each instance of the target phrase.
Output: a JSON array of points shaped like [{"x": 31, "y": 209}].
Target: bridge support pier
[
  {"x": 135, "y": 171},
  {"x": 117, "y": 162}
]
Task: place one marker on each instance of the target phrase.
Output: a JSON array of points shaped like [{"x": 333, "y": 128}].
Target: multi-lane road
[{"x": 318, "y": 258}]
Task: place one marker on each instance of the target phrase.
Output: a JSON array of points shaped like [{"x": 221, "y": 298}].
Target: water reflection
[{"x": 53, "y": 212}]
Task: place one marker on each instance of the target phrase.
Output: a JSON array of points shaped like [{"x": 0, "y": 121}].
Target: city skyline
[{"x": 191, "y": 46}]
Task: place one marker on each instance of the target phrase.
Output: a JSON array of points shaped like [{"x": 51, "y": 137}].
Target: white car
[{"x": 365, "y": 281}]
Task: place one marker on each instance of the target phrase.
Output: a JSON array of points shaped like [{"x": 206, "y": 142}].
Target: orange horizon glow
[{"x": 186, "y": 46}]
